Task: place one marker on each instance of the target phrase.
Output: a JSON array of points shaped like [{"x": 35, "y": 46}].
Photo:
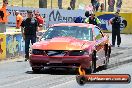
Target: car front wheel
[
  {"x": 92, "y": 68},
  {"x": 106, "y": 62},
  {"x": 107, "y": 56},
  {"x": 36, "y": 70}
]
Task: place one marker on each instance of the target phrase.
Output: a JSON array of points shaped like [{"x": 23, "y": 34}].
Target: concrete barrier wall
[
  {"x": 12, "y": 45},
  {"x": 2, "y": 46}
]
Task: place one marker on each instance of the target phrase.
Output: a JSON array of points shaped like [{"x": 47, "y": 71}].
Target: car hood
[{"x": 62, "y": 43}]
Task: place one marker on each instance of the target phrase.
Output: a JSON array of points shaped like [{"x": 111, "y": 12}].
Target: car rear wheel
[{"x": 36, "y": 70}]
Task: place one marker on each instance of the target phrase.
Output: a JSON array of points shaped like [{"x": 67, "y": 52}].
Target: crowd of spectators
[{"x": 96, "y": 5}]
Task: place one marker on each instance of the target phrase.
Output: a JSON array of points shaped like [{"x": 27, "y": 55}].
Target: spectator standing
[
  {"x": 87, "y": 14},
  {"x": 118, "y": 5},
  {"x": 72, "y": 4},
  {"x": 60, "y": 4},
  {"x": 41, "y": 23},
  {"x": 116, "y": 29},
  {"x": 19, "y": 19},
  {"x": 29, "y": 27},
  {"x": 3, "y": 16},
  {"x": 102, "y": 6},
  {"x": 93, "y": 20},
  {"x": 111, "y": 4},
  {"x": 95, "y": 4},
  {"x": 3, "y": 12},
  {"x": 40, "y": 20},
  {"x": 89, "y": 8}
]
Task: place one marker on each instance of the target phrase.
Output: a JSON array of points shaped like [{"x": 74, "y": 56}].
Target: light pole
[
  {"x": 51, "y": 4},
  {"x": 22, "y": 3},
  {"x": 105, "y": 5}
]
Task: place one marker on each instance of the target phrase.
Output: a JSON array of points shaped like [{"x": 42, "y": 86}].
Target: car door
[{"x": 100, "y": 54}]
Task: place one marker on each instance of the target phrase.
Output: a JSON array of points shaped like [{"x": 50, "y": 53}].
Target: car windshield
[{"x": 82, "y": 33}]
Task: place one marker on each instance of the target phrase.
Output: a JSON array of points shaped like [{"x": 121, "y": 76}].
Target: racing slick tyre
[
  {"x": 92, "y": 68},
  {"x": 109, "y": 51},
  {"x": 107, "y": 55},
  {"x": 106, "y": 62},
  {"x": 36, "y": 70}
]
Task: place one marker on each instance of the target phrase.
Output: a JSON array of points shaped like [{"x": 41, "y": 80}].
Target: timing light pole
[
  {"x": 22, "y": 3},
  {"x": 105, "y": 5},
  {"x": 51, "y": 4}
]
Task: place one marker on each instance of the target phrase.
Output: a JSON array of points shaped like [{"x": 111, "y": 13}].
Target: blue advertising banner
[
  {"x": 105, "y": 21},
  {"x": 105, "y": 24}
]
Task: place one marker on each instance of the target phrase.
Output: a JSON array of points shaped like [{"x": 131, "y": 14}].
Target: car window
[
  {"x": 97, "y": 33},
  {"x": 82, "y": 33}
]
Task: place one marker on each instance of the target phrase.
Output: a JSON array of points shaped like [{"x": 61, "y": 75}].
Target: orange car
[{"x": 70, "y": 45}]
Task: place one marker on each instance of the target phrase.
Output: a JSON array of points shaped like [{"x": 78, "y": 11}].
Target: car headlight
[
  {"x": 78, "y": 53},
  {"x": 37, "y": 52}
]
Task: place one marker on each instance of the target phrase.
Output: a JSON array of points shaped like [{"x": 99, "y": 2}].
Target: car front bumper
[{"x": 54, "y": 61}]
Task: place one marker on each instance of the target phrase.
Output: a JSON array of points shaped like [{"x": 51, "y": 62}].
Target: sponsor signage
[
  {"x": 105, "y": 24},
  {"x": 53, "y": 16}
]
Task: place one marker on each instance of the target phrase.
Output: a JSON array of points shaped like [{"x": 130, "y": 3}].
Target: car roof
[{"x": 74, "y": 24}]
